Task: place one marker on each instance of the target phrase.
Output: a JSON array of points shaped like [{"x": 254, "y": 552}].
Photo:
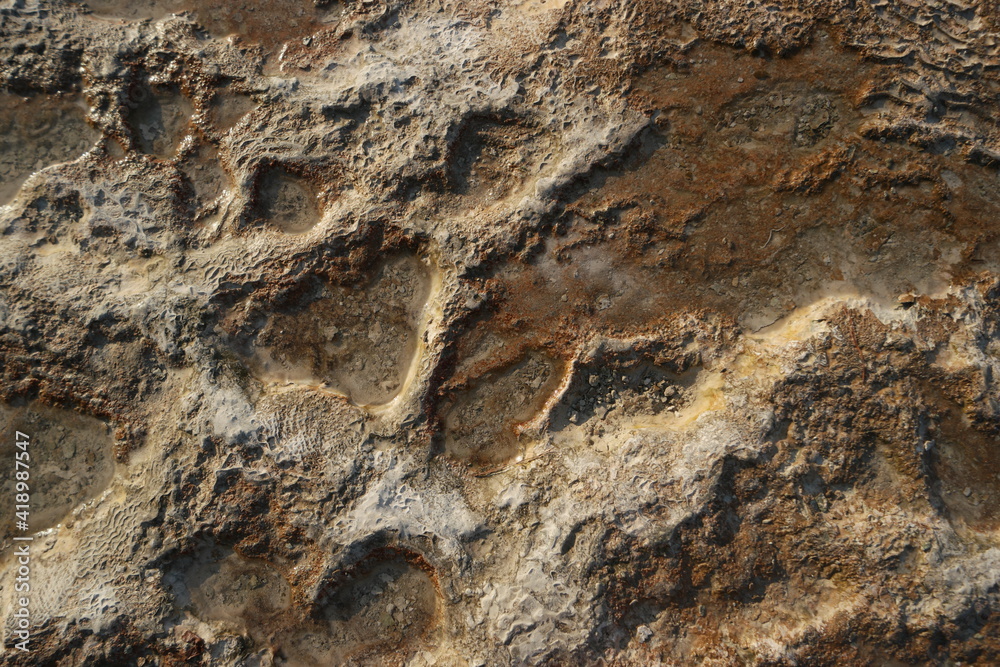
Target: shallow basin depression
[
  {"x": 70, "y": 461},
  {"x": 380, "y": 610},
  {"x": 228, "y": 107},
  {"x": 287, "y": 203},
  {"x": 39, "y": 131},
  {"x": 359, "y": 340},
  {"x": 480, "y": 422},
  {"x": 159, "y": 117},
  {"x": 218, "y": 585}
]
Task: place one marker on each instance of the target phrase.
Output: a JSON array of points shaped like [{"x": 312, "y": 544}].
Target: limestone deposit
[{"x": 502, "y": 332}]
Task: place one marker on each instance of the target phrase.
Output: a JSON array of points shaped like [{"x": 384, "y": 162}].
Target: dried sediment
[{"x": 526, "y": 332}]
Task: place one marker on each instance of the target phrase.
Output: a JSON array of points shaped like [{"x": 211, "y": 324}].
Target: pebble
[
  {"x": 967, "y": 492},
  {"x": 643, "y": 633}
]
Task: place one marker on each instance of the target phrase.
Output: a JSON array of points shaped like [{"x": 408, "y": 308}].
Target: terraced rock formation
[{"x": 502, "y": 332}]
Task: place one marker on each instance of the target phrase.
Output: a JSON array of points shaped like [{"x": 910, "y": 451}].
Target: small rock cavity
[
  {"x": 493, "y": 157},
  {"x": 380, "y": 610},
  {"x": 480, "y": 422},
  {"x": 218, "y": 585},
  {"x": 287, "y": 202},
  {"x": 360, "y": 340},
  {"x": 158, "y": 118},
  {"x": 228, "y": 108}
]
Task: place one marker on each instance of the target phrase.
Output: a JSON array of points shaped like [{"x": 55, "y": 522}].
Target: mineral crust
[{"x": 502, "y": 332}]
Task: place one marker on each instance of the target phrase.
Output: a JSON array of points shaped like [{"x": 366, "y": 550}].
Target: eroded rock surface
[{"x": 502, "y": 332}]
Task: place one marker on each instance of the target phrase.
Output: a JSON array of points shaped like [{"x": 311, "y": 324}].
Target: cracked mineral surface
[{"x": 500, "y": 332}]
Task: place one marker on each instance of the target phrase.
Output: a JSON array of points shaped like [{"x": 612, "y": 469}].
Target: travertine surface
[{"x": 503, "y": 332}]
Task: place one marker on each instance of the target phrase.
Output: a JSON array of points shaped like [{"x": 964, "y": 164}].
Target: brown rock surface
[{"x": 502, "y": 332}]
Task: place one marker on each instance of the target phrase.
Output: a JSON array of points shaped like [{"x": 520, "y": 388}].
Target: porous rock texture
[{"x": 504, "y": 332}]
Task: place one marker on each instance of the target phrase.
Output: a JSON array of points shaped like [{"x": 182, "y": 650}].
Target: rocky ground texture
[{"x": 503, "y": 332}]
